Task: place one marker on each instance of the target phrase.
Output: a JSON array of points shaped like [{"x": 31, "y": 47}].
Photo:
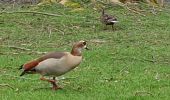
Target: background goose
[{"x": 107, "y": 19}]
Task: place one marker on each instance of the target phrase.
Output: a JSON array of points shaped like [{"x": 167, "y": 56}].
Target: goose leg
[
  {"x": 52, "y": 81},
  {"x": 112, "y": 27},
  {"x": 55, "y": 86},
  {"x": 105, "y": 27}
]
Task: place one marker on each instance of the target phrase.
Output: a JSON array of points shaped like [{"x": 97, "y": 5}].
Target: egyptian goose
[
  {"x": 107, "y": 19},
  {"x": 55, "y": 63}
]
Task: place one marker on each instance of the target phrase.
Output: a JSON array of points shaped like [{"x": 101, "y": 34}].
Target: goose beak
[{"x": 87, "y": 48}]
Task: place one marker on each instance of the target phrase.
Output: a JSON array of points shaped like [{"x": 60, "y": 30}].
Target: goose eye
[{"x": 84, "y": 43}]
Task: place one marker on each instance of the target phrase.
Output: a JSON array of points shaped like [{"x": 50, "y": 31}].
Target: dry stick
[
  {"x": 25, "y": 49},
  {"x": 59, "y": 78},
  {"x": 49, "y": 32},
  {"x": 20, "y": 48},
  {"x": 37, "y": 52},
  {"x": 60, "y": 31},
  {"x": 136, "y": 59},
  {"x": 140, "y": 92},
  {"x": 7, "y": 85},
  {"x": 7, "y": 53},
  {"x": 17, "y": 77},
  {"x": 143, "y": 59},
  {"x": 125, "y": 6},
  {"x": 66, "y": 78},
  {"x": 1, "y": 53},
  {"x": 124, "y": 68},
  {"x": 33, "y": 12},
  {"x": 153, "y": 10},
  {"x": 135, "y": 11},
  {"x": 14, "y": 53}
]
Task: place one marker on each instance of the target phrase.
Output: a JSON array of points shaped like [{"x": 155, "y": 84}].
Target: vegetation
[{"x": 130, "y": 62}]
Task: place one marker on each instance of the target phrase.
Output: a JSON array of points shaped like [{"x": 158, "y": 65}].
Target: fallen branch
[{"x": 33, "y": 12}]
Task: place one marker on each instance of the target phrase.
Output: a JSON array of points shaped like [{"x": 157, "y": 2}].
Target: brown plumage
[
  {"x": 55, "y": 63},
  {"x": 107, "y": 19}
]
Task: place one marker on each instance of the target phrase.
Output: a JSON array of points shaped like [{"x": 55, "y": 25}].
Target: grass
[{"x": 130, "y": 63}]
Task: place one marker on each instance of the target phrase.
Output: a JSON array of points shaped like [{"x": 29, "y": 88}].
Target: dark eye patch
[{"x": 84, "y": 43}]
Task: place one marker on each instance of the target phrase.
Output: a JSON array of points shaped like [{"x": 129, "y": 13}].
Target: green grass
[{"x": 122, "y": 67}]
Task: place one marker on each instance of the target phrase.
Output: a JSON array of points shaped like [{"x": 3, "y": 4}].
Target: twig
[
  {"x": 123, "y": 69},
  {"x": 143, "y": 59},
  {"x": 65, "y": 78},
  {"x": 142, "y": 92},
  {"x": 7, "y": 53},
  {"x": 24, "y": 49},
  {"x": 1, "y": 53},
  {"x": 7, "y": 85},
  {"x": 60, "y": 31},
  {"x": 20, "y": 48},
  {"x": 33, "y": 12},
  {"x": 102, "y": 2},
  {"x": 18, "y": 77},
  {"x": 59, "y": 78},
  {"x": 135, "y": 11},
  {"x": 125, "y": 6},
  {"x": 153, "y": 10},
  {"x": 98, "y": 41},
  {"x": 15, "y": 53},
  {"x": 38, "y": 52},
  {"x": 49, "y": 32}
]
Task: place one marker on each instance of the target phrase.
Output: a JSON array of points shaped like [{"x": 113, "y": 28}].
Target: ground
[{"x": 130, "y": 62}]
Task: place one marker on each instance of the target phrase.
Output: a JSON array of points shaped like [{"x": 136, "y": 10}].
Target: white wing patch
[{"x": 115, "y": 21}]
